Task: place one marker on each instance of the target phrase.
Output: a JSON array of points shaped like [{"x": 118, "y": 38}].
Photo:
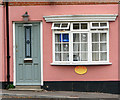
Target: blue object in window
[{"x": 65, "y": 38}]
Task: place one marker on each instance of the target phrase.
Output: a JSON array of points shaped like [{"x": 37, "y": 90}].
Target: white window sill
[
  {"x": 28, "y": 59},
  {"x": 100, "y": 63}
]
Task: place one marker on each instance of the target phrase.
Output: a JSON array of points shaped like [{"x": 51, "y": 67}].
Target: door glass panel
[{"x": 28, "y": 42}]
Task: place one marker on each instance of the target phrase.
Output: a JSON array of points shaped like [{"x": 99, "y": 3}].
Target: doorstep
[{"x": 26, "y": 88}]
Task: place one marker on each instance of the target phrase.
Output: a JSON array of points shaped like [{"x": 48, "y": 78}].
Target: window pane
[
  {"x": 103, "y": 24},
  {"x": 84, "y": 46},
  {"x": 57, "y": 56},
  {"x": 95, "y": 37},
  {"x": 83, "y": 37},
  {"x": 76, "y": 57},
  {"x": 65, "y": 37},
  {"x": 76, "y": 37},
  {"x": 76, "y": 46},
  {"x": 75, "y": 25},
  {"x": 65, "y": 56},
  {"x": 95, "y": 56},
  {"x": 84, "y": 26},
  {"x": 103, "y": 56},
  {"x": 84, "y": 56},
  {"x": 103, "y": 37},
  {"x": 64, "y": 25},
  {"x": 95, "y": 24},
  {"x": 66, "y": 47},
  {"x": 95, "y": 46},
  {"x": 57, "y": 47},
  {"x": 57, "y": 25},
  {"x": 103, "y": 47},
  {"x": 57, "y": 37}
]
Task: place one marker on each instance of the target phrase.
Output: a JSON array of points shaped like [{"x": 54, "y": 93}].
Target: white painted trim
[
  {"x": 80, "y": 27},
  {"x": 99, "y": 27},
  {"x": 89, "y": 62},
  {"x": 108, "y": 43},
  {"x": 69, "y": 18},
  {"x": 73, "y": 64},
  {"x": 61, "y": 25},
  {"x": 41, "y": 38},
  {"x": 28, "y": 59},
  {"x": 53, "y": 45},
  {"x": 14, "y": 55}
]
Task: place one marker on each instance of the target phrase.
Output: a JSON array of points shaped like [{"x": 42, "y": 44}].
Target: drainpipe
[{"x": 8, "y": 56}]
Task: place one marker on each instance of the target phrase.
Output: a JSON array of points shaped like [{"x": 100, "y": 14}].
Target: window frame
[
  {"x": 60, "y": 25},
  {"x": 71, "y": 26},
  {"x": 99, "y": 25},
  {"x": 89, "y": 62}
]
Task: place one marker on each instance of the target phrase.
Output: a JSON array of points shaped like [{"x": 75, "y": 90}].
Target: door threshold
[
  {"x": 36, "y": 90},
  {"x": 27, "y": 88}
]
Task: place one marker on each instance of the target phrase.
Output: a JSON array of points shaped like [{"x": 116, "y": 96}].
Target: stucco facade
[
  {"x": 61, "y": 73},
  {"x": 53, "y": 73}
]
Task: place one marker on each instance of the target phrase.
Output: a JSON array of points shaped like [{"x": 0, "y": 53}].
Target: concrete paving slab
[{"x": 60, "y": 95}]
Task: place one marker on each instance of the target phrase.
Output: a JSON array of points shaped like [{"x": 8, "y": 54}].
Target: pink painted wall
[
  {"x": 1, "y": 42},
  {"x": 119, "y": 42},
  {"x": 66, "y": 73},
  {"x": 2, "y": 46}
]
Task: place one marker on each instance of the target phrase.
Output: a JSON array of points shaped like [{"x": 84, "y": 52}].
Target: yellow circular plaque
[{"x": 80, "y": 69}]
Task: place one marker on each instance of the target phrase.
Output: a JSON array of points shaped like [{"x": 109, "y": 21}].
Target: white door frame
[{"x": 14, "y": 53}]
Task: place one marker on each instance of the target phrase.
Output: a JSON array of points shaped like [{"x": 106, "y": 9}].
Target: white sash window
[
  {"x": 80, "y": 43},
  {"x": 80, "y": 39}
]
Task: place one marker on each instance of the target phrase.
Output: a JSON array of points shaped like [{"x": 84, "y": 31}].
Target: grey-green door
[{"x": 28, "y": 68}]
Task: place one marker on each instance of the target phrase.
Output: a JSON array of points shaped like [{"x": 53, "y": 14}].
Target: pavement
[{"x": 56, "y": 95}]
